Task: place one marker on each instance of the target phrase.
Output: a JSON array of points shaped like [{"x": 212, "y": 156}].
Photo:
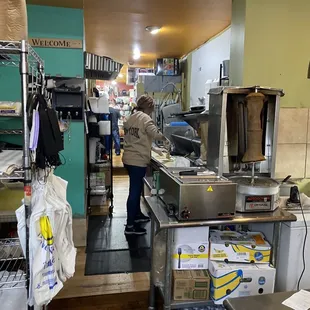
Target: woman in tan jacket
[{"x": 140, "y": 132}]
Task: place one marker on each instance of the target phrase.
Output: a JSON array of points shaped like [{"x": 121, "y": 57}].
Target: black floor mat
[
  {"x": 118, "y": 261},
  {"x": 105, "y": 234}
]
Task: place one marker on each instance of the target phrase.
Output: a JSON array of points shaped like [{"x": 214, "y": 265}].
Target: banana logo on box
[
  {"x": 223, "y": 286},
  {"x": 254, "y": 254},
  {"x": 46, "y": 230}
]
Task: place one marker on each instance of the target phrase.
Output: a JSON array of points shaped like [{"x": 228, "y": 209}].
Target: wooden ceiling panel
[{"x": 115, "y": 28}]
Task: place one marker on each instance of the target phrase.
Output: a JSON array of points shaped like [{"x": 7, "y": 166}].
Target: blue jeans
[
  {"x": 116, "y": 139},
  {"x": 136, "y": 175}
]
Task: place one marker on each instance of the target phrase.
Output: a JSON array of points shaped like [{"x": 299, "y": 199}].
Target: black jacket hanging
[{"x": 50, "y": 141}]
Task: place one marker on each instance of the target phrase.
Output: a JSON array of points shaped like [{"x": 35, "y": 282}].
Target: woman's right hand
[{"x": 159, "y": 151}]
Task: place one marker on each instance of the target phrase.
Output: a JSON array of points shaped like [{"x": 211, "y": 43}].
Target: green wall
[
  {"x": 55, "y": 22},
  {"x": 73, "y": 169}
]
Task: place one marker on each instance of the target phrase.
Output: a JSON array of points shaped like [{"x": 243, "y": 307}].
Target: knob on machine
[{"x": 185, "y": 214}]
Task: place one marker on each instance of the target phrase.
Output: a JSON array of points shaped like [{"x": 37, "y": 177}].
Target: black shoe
[
  {"x": 141, "y": 218},
  {"x": 135, "y": 230}
]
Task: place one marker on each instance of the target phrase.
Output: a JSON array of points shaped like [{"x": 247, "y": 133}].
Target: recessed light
[
  {"x": 153, "y": 29},
  {"x": 114, "y": 82}
]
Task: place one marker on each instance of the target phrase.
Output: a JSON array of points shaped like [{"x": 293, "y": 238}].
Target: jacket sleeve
[{"x": 152, "y": 131}]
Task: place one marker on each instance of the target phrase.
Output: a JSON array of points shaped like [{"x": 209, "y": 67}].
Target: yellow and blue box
[
  {"x": 239, "y": 247},
  {"x": 239, "y": 280}
]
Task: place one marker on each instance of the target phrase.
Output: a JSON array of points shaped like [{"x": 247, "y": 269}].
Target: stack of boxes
[
  {"x": 190, "y": 262},
  {"x": 239, "y": 265},
  {"x": 220, "y": 265}
]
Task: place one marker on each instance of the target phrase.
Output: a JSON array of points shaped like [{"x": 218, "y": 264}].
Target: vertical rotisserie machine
[{"x": 242, "y": 143}]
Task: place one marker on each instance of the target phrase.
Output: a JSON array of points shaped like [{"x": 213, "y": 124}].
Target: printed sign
[{"x": 55, "y": 43}]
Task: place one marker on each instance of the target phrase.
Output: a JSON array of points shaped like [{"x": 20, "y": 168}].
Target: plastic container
[
  {"x": 98, "y": 200},
  {"x": 92, "y": 119},
  {"x": 103, "y": 104},
  {"x": 104, "y": 128},
  {"x": 94, "y": 106},
  {"x": 93, "y": 149}
]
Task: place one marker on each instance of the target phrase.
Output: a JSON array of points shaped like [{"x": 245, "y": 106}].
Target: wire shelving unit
[{"x": 14, "y": 264}]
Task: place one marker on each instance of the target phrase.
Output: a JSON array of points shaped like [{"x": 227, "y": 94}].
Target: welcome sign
[{"x": 56, "y": 43}]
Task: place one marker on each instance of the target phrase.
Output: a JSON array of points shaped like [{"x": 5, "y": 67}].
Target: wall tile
[
  {"x": 308, "y": 162},
  {"x": 291, "y": 159},
  {"x": 293, "y": 125}
]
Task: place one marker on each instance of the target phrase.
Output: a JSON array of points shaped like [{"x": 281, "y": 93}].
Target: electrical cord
[{"x": 304, "y": 246}]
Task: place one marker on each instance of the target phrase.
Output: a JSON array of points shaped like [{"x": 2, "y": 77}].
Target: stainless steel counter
[
  {"x": 261, "y": 302},
  {"x": 161, "y": 221},
  {"x": 157, "y": 209}
]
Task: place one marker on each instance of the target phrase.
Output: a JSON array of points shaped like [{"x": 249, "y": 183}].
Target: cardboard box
[
  {"x": 191, "y": 284},
  {"x": 191, "y": 248},
  {"x": 239, "y": 280},
  {"x": 240, "y": 247}
]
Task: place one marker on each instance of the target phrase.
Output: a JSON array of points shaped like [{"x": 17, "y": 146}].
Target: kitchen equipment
[
  {"x": 234, "y": 131},
  {"x": 197, "y": 197},
  {"x": 257, "y": 196},
  {"x": 69, "y": 102},
  {"x": 285, "y": 186}
]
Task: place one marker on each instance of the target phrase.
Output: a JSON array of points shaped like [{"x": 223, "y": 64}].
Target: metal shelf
[
  {"x": 12, "y": 264},
  {"x": 10, "y": 55},
  {"x": 7, "y": 217},
  {"x": 180, "y": 304},
  {"x": 11, "y": 132},
  {"x": 14, "y": 177},
  {"x": 191, "y": 303}
]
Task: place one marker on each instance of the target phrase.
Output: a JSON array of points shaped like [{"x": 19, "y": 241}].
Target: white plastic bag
[{"x": 46, "y": 283}]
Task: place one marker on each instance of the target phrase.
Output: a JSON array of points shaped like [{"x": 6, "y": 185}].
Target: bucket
[
  {"x": 104, "y": 128},
  {"x": 93, "y": 102}
]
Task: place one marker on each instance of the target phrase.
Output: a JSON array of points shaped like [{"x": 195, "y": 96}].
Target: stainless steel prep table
[
  {"x": 161, "y": 221},
  {"x": 261, "y": 302}
]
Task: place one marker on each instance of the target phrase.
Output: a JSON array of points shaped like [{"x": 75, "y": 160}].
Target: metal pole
[
  {"x": 111, "y": 209},
  {"x": 168, "y": 270},
  {"x": 26, "y": 152},
  {"x": 153, "y": 258},
  {"x": 275, "y": 243}
]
